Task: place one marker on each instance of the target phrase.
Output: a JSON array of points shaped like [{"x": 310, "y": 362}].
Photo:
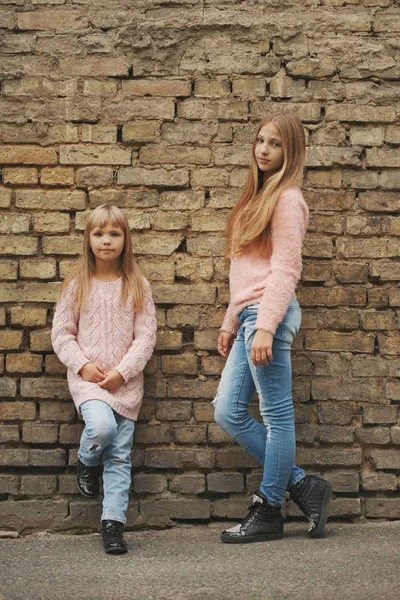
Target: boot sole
[
  {"x": 319, "y": 531},
  {"x": 116, "y": 550},
  {"x": 229, "y": 539}
]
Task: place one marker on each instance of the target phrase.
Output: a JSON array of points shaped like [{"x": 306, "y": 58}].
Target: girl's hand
[
  {"x": 112, "y": 381},
  {"x": 92, "y": 372},
  {"x": 224, "y": 343},
  {"x": 261, "y": 349}
]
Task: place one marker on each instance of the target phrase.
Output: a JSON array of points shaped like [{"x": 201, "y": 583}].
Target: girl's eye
[
  {"x": 276, "y": 144},
  {"x": 116, "y": 234},
  {"x": 97, "y": 234},
  {"x": 260, "y": 140}
]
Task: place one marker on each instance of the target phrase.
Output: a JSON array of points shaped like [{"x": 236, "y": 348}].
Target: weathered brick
[
  {"x": 153, "y": 434},
  {"x": 385, "y": 459},
  {"x": 225, "y": 482},
  {"x": 14, "y": 244},
  {"x": 225, "y": 110},
  {"x": 15, "y": 411},
  {"x": 188, "y": 483},
  {"x": 9, "y": 433},
  {"x": 382, "y": 508},
  {"x": 39, "y": 269},
  {"x": 336, "y": 434},
  {"x": 309, "y": 113},
  {"x": 100, "y": 134},
  {"x": 373, "y": 482},
  {"x": 92, "y": 154},
  {"x": 173, "y": 411},
  {"x": 20, "y": 176},
  {"x": 30, "y": 317},
  {"x": 38, "y": 485},
  {"x": 234, "y": 458},
  {"x": 10, "y": 339},
  {"x": 71, "y": 434},
  {"x": 93, "y": 66},
  {"x": 379, "y": 201},
  {"x": 27, "y": 155},
  {"x": 178, "y": 459},
  {"x": 47, "y": 458},
  {"x": 94, "y": 177},
  {"x": 8, "y": 484},
  {"x": 373, "y": 435},
  {"x": 176, "y": 155},
  {"x": 57, "y": 411},
  {"x": 39, "y": 433},
  {"x": 186, "y": 363},
  {"x": 155, "y": 87},
  {"x": 149, "y": 483},
  {"x": 50, "y": 199},
  {"x": 40, "y": 340},
  {"x": 153, "y": 177},
  {"x": 141, "y": 131},
  {"x": 57, "y": 176},
  {"x": 31, "y": 515},
  {"x": 192, "y": 388},
  {"x": 360, "y": 114},
  {"x": 334, "y": 415},
  {"x": 389, "y": 343},
  {"x": 344, "y": 481},
  {"x": 329, "y": 457},
  {"x": 186, "y": 509},
  {"x": 24, "y": 363},
  {"x": 8, "y": 270}
]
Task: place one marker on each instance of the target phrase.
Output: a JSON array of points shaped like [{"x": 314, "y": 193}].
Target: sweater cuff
[
  {"x": 267, "y": 324},
  {"x": 230, "y": 324},
  {"x": 78, "y": 364},
  {"x": 123, "y": 371}
]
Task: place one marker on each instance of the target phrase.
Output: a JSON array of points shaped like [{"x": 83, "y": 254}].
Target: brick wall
[{"x": 152, "y": 105}]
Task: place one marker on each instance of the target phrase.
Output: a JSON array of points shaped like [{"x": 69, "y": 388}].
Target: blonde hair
[
  {"x": 132, "y": 280},
  {"x": 248, "y": 224}
]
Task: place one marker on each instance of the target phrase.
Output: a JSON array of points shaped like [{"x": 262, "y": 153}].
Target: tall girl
[
  {"x": 104, "y": 331},
  {"x": 265, "y": 232}
]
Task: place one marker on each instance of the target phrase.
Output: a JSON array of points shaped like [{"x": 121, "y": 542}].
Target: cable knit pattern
[
  {"x": 270, "y": 281},
  {"x": 112, "y": 336}
]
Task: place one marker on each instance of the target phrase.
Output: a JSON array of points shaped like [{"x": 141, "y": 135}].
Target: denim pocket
[{"x": 291, "y": 323}]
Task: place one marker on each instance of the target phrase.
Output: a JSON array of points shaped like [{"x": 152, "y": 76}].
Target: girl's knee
[
  {"x": 101, "y": 434},
  {"x": 223, "y": 418}
]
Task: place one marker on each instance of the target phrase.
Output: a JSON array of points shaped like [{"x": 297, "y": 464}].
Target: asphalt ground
[{"x": 355, "y": 561}]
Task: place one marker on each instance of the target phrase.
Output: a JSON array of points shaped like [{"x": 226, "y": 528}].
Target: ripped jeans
[
  {"x": 273, "y": 443},
  {"x": 107, "y": 438}
]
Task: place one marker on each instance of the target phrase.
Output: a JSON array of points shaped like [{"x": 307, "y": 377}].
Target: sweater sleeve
[
  {"x": 288, "y": 227},
  {"x": 65, "y": 328},
  {"x": 230, "y": 323},
  {"x": 141, "y": 349}
]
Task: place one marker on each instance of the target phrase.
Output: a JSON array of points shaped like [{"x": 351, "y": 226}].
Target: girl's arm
[
  {"x": 63, "y": 333},
  {"x": 230, "y": 324},
  {"x": 145, "y": 329},
  {"x": 288, "y": 227}
]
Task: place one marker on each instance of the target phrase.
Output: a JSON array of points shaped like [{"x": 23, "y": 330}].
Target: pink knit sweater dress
[
  {"x": 109, "y": 335},
  {"x": 270, "y": 281}
]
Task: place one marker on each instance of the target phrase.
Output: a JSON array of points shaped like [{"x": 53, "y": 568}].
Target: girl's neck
[{"x": 107, "y": 273}]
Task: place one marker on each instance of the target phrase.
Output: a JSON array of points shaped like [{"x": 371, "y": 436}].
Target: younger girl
[
  {"x": 104, "y": 331},
  {"x": 264, "y": 240}
]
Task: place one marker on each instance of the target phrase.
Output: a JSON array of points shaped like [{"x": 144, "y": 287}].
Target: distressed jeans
[
  {"x": 273, "y": 443},
  {"x": 107, "y": 438}
]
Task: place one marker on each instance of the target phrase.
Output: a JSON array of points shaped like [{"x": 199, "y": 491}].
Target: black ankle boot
[
  {"x": 262, "y": 523},
  {"x": 312, "y": 495},
  {"x": 113, "y": 540},
  {"x": 88, "y": 480}
]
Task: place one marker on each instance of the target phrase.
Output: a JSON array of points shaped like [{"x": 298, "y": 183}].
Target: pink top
[
  {"x": 271, "y": 280},
  {"x": 112, "y": 336}
]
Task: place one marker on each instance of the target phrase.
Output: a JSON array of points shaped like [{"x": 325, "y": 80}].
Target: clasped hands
[
  {"x": 108, "y": 380},
  {"x": 261, "y": 349}
]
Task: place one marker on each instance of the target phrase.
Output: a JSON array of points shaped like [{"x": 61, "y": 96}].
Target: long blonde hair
[
  {"x": 132, "y": 280},
  {"x": 248, "y": 228}
]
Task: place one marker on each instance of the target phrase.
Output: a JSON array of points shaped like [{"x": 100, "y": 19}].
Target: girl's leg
[
  {"x": 274, "y": 387},
  {"x": 234, "y": 395},
  {"x": 100, "y": 429},
  {"x": 117, "y": 471}
]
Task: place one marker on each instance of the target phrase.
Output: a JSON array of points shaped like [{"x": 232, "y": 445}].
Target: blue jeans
[
  {"x": 273, "y": 443},
  {"x": 107, "y": 438}
]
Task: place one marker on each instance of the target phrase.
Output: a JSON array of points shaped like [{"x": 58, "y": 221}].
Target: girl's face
[
  {"x": 268, "y": 150},
  {"x": 107, "y": 244}
]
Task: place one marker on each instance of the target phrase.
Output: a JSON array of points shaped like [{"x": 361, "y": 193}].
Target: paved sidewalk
[{"x": 354, "y": 562}]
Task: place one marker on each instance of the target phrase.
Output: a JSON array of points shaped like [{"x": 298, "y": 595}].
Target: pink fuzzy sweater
[
  {"x": 114, "y": 337},
  {"x": 271, "y": 280}
]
